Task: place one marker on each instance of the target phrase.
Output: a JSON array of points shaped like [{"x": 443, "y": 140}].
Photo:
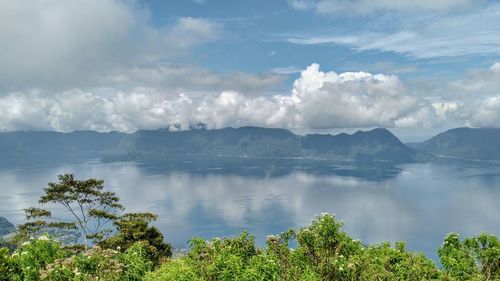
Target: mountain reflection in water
[{"x": 418, "y": 203}]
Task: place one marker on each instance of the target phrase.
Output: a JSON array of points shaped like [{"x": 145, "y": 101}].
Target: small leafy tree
[
  {"x": 90, "y": 208},
  {"x": 134, "y": 227}
]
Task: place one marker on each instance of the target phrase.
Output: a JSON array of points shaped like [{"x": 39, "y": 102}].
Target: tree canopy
[{"x": 90, "y": 209}]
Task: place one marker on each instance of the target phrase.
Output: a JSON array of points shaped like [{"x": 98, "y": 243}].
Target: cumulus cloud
[
  {"x": 478, "y": 97},
  {"x": 350, "y": 99},
  {"x": 338, "y": 7},
  {"x": 485, "y": 113},
  {"x": 474, "y": 33},
  {"x": 477, "y": 82},
  {"x": 318, "y": 100},
  {"x": 69, "y": 43}
]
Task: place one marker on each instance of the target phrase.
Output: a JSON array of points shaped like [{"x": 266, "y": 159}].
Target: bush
[
  {"x": 133, "y": 228},
  {"x": 34, "y": 255},
  {"x": 8, "y": 268},
  {"x": 136, "y": 262},
  {"x": 323, "y": 252},
  {"x": 476, "y": 258},
  {"x": 178, "y": 269},
  {"x": 101, "y": 264}
]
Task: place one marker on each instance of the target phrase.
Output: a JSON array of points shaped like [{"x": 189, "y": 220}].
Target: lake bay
[{"x": 419, "y": 203}]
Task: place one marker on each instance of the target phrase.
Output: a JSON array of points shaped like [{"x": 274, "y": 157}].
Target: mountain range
[
  {"x": 463, "y": 143},
  {"x": 377, "y": 145}
]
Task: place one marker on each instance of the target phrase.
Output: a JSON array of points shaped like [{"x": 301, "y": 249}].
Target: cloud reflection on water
[{"x": 420, "y": 204}]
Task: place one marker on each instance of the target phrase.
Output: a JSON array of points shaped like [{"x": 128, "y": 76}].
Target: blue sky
[
  {"x": 259, "y": 34},
  {"x": 416, "y": 67}
]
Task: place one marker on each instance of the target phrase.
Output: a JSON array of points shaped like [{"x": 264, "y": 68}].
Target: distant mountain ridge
[
  {"x": 463, "y": 143},
  {"x": 375, "y": 145},
  {"x": 6, "y": 227}
]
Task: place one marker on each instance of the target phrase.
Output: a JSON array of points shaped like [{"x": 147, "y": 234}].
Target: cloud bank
[
  {"x": 180, "y": 97},
  {"x": 318, "y": 100}
]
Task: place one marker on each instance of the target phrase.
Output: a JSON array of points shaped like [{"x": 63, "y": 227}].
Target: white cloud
[
  {"x": 485, "y": 113},
  {"x": 474, "y": 33},
  {"x": 190, "y": 78},
  {"x": 478, "y": 97},
  {"x": 339, "y": 7},
  {"x": 318, "y": 100},
  {"x": 350, "y": 99},
  {"x": 479, "y": 82},
  {"x": 286, "y": 70},
  {"x": 53, "y": 43}
]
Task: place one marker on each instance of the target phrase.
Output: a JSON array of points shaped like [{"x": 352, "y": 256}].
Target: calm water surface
[{"x": 419, "y": 203}]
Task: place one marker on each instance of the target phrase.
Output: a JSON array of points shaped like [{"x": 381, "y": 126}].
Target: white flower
[
  {"x": 25, "y": 243},
  {"x": 44, "y": 238}
]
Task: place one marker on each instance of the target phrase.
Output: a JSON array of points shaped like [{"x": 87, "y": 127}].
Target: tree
[
  {"x": 134, "y": 227},
  {"x": 89, "y": 207}
]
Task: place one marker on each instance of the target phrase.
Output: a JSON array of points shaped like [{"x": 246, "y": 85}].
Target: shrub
[
  {"x": 136, "y": 262},
  {"x": 101, "y": 264},
  {"x": 35, "y": 255},
  {"x": 323, "y": 251},
  {"x": 178, "y": 269},
  {"x": 8, "y": 268},
  {"x": 133, "y": 228},
  {"x": 475, "y": 258}
]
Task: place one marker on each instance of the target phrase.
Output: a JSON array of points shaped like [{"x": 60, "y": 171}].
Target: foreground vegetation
[{"x": 135, "y": 250}]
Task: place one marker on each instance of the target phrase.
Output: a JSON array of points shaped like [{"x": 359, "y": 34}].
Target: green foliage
[
  {"x": 178, "y": 269},
  {"x": 8, "y": 269},
  {"x": 326, "y": 247},
  {"x": 475, "y": 258},
  {"x": 381, "y": 262},
  {"x": 30, "y": 258},
  {"x": 134, "y": 227},
  {"x": 323, "y": 252},
  {"x": 220, "y": 259},
  {"x": 136, "y": 261},
  {"x": 100, "y": 264},
  {"x": 85, "y": 201},
  {"x": 94, "y": 264}
]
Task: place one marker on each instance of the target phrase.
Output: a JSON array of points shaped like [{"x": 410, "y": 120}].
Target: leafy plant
[
  {"x": 134, "y": 227},
  {"x": 472, "y": 259}
]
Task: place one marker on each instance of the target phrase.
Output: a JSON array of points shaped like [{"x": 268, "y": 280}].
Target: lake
[{"x": 418, "y": 203}]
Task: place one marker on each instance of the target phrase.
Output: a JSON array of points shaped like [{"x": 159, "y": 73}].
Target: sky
[{"x": 415, "y": 67}]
